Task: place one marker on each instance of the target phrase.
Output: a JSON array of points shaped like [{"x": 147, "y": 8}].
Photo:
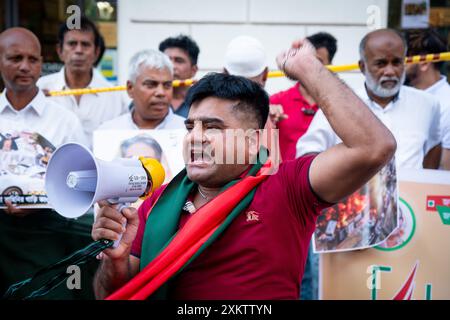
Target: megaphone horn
[{"x": 75, "y": 179}]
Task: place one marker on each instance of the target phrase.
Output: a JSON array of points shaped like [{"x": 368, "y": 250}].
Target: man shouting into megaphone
[{"x": 233, "y": 229}]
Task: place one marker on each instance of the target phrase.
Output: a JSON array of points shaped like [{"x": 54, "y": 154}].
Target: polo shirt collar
[
  {"x": 396, "y": 98},
  {"x": 296, "y": 95},
  {"x": 435, "y": 87},
  {"x": 167, "y": 118},
  {"x": 4, "y": 103},
  {"x": 37, "y": 104},
  {"x": 60, "y": 80},
  {"x": 95, "y": 81}
]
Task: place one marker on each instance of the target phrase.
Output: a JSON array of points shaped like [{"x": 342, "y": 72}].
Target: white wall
[{"x": 213, "y": 23}]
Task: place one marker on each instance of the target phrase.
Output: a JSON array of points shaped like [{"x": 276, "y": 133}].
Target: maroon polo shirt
[
  {"x": 262, "y": 253},
  {"x": 300, "y": 114}
]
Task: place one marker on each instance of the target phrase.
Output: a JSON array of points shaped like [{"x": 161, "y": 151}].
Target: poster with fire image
[
  {"x": 23, "y": 161},
  {"x": 362, "y": 220}
]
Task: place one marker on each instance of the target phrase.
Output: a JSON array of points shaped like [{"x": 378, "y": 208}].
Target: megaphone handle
[{"x": 121, "y": 207}]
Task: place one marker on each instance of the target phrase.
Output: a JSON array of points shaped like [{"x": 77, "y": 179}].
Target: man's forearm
[
  {"x": 367, "y": 143},
  {"x": 111, "y": 275},
  {"x": 352, "y": 121}
]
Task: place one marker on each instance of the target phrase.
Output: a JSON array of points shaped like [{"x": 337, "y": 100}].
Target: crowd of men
[{"x": 341, "y": 137}]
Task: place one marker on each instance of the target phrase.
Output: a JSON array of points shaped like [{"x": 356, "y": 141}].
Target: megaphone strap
[{"x": 77, "y": 258}]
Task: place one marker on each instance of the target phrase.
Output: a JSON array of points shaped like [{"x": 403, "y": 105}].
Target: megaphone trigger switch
[{"x": 122, "y": 206}]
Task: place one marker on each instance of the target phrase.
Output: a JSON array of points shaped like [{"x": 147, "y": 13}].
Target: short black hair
[
  {"x": 85, "y": 25},
  {"x": 182, "y": 42},
  {"x": 425, "y": 41},
  {"x": 324, "y": 40},
  {"x": 253, "y": 99}
]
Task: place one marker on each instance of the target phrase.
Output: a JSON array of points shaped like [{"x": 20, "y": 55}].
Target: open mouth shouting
[{"x": 201, "y": 158}]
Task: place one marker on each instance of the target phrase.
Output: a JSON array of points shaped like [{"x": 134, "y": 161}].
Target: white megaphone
[{"x": 75, "y": 180}]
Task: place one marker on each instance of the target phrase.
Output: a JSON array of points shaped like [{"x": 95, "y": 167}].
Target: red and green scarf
[{"x": 167, "y": 250}]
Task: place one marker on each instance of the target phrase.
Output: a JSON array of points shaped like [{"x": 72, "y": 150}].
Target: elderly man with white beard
[{"x": 411, "y": 115}]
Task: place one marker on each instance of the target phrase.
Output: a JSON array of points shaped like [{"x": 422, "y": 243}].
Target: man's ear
[
  {"x": 253, "y": 142},
  {"x": 265, "y": 74},
  {"x": 130, "y": 87},
  {"x": 362, "y": 66},
  {"x": 194, "y": 70}
]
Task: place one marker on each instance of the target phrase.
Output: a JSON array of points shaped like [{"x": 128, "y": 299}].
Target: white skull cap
[{"x": 245, "y": 56}]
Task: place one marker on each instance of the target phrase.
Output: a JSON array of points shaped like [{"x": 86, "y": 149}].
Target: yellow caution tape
[{"x": 436, "y": 57}]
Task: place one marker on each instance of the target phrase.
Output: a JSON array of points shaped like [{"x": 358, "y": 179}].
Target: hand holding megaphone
[
  {"x": 120, "y": 226},
  {"x": 75, "y": 180}
]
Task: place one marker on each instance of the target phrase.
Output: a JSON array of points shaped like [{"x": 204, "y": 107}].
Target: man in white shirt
[
  {"x": 150, "y": 87},
  {"x": 411, "y": 115},
  {"x": 427, "y": 76},
  {"x": 23, "y": 107},
  {"x": 33, "y": 238},
  {"x": 79, "y": 49}
]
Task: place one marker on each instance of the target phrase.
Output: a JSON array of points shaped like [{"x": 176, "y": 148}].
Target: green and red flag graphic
[
  {"x": 434, "y": 201},
  {"x": 444, "y": 213}
]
